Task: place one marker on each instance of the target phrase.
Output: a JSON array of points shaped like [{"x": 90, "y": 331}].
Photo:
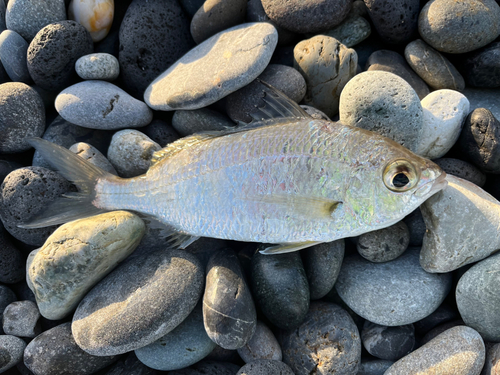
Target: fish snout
[{"x": 432, "y": 187}]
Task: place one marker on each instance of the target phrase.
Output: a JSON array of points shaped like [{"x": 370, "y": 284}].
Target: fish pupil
[{"x": 400, "y": 180}]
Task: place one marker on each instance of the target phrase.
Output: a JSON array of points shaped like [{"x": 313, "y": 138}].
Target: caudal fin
[{"x": 75, "y": 169}]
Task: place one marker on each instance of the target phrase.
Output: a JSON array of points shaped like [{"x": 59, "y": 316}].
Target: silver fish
[{"x": 288, "y": 180}]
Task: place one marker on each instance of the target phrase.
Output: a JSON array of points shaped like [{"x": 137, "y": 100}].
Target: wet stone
[
  {"x": 161, "y": 132},
  {"x": 93, "y": 156},
  {"x": 101, "y": 66},
  {"x": 13, "y": 49},
  {"x": 389, "y": 343},
  {"x": 462, "y": 169},
  {"x": 199, "y": 120},
  {"x": 11, "y": 351},
  {"x": 265, "y": 367},
  {"x": 208, "y": 368},
  {"x": 385, "y": 244},
  {"x": 20, "y": 319},
  {"x": 262, "y": 345}
]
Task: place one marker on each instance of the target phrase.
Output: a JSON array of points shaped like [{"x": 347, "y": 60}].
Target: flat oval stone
[
  {"x": 462, "y": 169},
  {"x": 482, "y": 67},
  {"x": 206, "y": 367},
  {"x": 393, "y": 293},
  {"x": 77, "y": 256},
  {"x": 95, "y": 15},
  {"x": 199, "y": 120},
  {"x": 390, "y": 343},
  {"x": 101, "y": 105},
  {"x": 435, "y": 69},
  {"x": 353, "y": 30},
  {"x": 441, "y": 24},
  {"x": 93, "y": 156},
  {"x": 385, "y": 244},
  {"x": 327, "y": 342},
  {"x": 265, "y": 367},
  {"x": 11, "y": 351},
  {"x": 262, "y": 345},
  {"x": 101, "y": 66},
  {"x": 21, "y": 319},
  {"x": 13, "y": 49},
  {"x": 217, "y": 67},
  {"x": 459, "y": 350},
  {"x": 138, "y": 303}
]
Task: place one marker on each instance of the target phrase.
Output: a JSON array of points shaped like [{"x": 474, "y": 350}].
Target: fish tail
[{"x": 84, "y": 175}]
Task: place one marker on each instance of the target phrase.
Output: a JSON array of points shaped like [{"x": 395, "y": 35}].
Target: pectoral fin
[{"x": 288, "y": 247}]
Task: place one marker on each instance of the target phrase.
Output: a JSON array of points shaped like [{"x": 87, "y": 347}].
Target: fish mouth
[{"x": 433, "y": 186}]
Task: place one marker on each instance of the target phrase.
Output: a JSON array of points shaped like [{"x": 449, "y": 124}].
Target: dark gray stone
[
  {"x": 12, "y": 264},
  {"x": 322, "y": 265},
  {"x": 265, "y": 367},
  {"x": 327, "y": 342},
  {"x": 153, "y": 35},
  {"x": 416, "y": 226},
  {"x": 390, "y": 343},
  {"x": 191, "y": 6},
  {"x": 262, "y": 345},
  {"x": 13, "y": 49},
  {"x": 482, "y": 68},
  {"x": 139, "y": 302},
  {"x": 280, "y": 288},
  {"x": 11, "y": 351},
  {"x": 228, "y": 310},
  {"x": 374, "y": 367},
  {"x": 443, "y": 314},
  {"x": 208, "y": 368},
  {"x": 21, "y": 319},
  {"x": 385, "y": 244},
  {"x": 7, "y": 296},
  {"x": 55, "y": 352},
  {"x": 21, "y": 115},
  {"x": 462, "y": 169},
  {"x": 24, "y": 193},
  {"x": 219, "y": 354},
  {"x": 130, "y": 365},
  {"x": 161, "y": 132},
  {"x": 436, "y": 331},
  {"x": 204, "y": 119}
]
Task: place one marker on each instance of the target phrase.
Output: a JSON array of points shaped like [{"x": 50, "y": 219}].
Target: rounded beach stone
[
  {"x": 280, "y": 288},
  {"x": 215, "y": 68},
  {"x": 262, "y": 345},
  {"x": 22, "y": 115},
  {"x": 25, "y": 193},
  {"x": 393, "y": 293},
  {"x": 385, "y": 244},
  {"x": 11, "y": 351},
  {"x": 199, "y": 120},
  {"x": 187, "y": 344},
  {"x": 53, "y": 52},
  {"x": 206, "y": 367},
  {"x": 265, "y": 367},
  {"x": 77, "y": 256},
  {"x": 441, "y": 21},
  {"x": 55, "y": 352},
  {"x": 27, "y": 17},
  {"x": 322, "y": 265},
  {"x": 327, "y": 342},
  {"x": 13, "y": 49},
  {"x": 390, "y": 343},
  {"x": 95, "y": 15},
  {"x": 161, "y": 132},
  {"x": 139, "y": 302},
  {"x": 327, "y": 65},
  {"x": 445, "y": 112},
  {"x": 462, "y": 169},
  {"x": 93, "y": 156},
  {"x": 353, "y": 30},
  {"x": 374, "y": 367},
  {"x": 21, "y": 318},
  {"x": 101, "y": 66},
  {"x": 154, "y": 34},
  {"x": 492, "y": 361},
  {"x": 101, "y": 105},
  {"x": 435, "y": 69},
  {"x": 482, "y": 68},
  {"x": 393, "y": 110},
  {"x": 297, "y": 15},
  {"x": 459, "y": 350},
  {"x": 228, "y": 310}
]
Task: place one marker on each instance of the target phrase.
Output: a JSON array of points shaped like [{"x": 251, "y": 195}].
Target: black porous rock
[
  {"x": 482, "y": 68},
  {"x": 12, "y": 265},
  {"x": 280, "y": 288},
  {"x": 265, "y": 367},
  {"x": 462, "y": 169},
  {"x": 208, "y": 368},
  {"x": 161, "y": 132},
  {"x": 53, "y": 52},
  {"x": 390, "y": 343}
]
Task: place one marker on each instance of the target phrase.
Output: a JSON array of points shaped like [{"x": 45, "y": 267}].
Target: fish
[{"x": 285, "y": 179}]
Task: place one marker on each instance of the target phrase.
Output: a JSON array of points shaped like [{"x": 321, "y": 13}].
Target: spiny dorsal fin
[{"x": 181, "y": 144}]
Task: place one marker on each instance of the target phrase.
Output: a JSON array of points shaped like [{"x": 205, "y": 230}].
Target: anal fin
[{"x": 288, "y": 247}]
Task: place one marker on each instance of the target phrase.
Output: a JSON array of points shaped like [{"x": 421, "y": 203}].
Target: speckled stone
[
  {"x": 265, "y": 367},
  {"x": 482, "y": 68},
  {"x": 390, "y": 343},
  {"x": 462, "y": 169},
  {"x": 208, "y": 368},
  {"x": 198, "y": 120},
  {"x": 492, "y": 361},
  {"x": 27, "y": 17},
  {"x": 138, "y": 303},
  {"x": 22, "y": 115},
  {"x": 459, "y": 350},
  {"x": 393, "y": 293},
  {"x": 353, "y": 30},
  {"x": 435, "y": 69},
  {"x": 55, "y": 352},
  {"x": 315, "y": 344},
  {"x": 13, "y": 267},
  {"x": 374, "y": 367},
  {"x": 215, "y": 68},
  {"x": 93, "y": 156},
  {"x": 481, "y": 19},
  {"x": 21, "y": 319},
  {"x": 394, "y": 111},
  {"x": 327, "y": 65},
  {"x": 101, "y": 66},
  {"x": 161, "y": 132},
  {"x": 13, "y": 49},
  {"x": 452, "y": 217},
  {"x": 262, "y": 345},
  {"x": 11, "y": 351},
  {"x": 385, "y": 244}
]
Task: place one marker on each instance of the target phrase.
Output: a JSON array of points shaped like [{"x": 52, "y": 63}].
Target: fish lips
[{"x": 432, "y": 187}]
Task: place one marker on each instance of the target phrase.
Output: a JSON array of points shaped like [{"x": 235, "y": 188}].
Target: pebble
[
  {"x": 130, "y": 152},
  {"x": 101, "y": 105},
  {"x": 453, "y": 218},
  {"x": 327, "y": 342},
  {"x": 154, "y": 34},
  {"x": 208, "y": 368},
  {"x": 477, "y": 300},
  {"x": 138, "y": 303},
  {"x": 385, "y": 244},
  {"x": 215, "y": 68},
  {"x": 280, "y": 288},
  {"x": 459, "y": 350},
  {"x": 102, "y": 66},
  {"x": 262, "y": 345},
  {"x": 435, "y": 69},
  {"x": 256, "y": 13},
  {"x": 11, "y": 351},
  {"x": 22, "y": 115},
  {"x": 353, "y": 30},
  {"x": 265, "y": 367},
  {"x": 95, "y": 15},
  {"x": 77, "y": 256},
  {"x": 199, "y": 120},
  {"x": 374, "y": 367},
  {"x": 187, "y": 344},
  {"x": 25, "y": 193},
  {"x": 482, "y": 67},
  {"x": 55, "y": 352},
  {"x": 322, "y": 265},
  {"x": 93, "y": 156},
  {"x": 394, "y": 293},
  {"x": 462, "y": 169},
  {"x": 491, "y": 363},
  {"x": 393, "y": 110},
  {"x": 393, "y": 62},
  {"x": 481, "y": 19},
  {"x": 53, "y": 52},
  {"x": 445, "y": 112},
  {"x": 13, "y": 49},
  {"x": 390, "y": 343},
  {"x": 13, "y": 267},
  {"x": 327, "y": 66},
  {"x": 27, "y": 17},
  {"x": 161, "y": 132},
  {"x": 21, "y": 318},
  {"x": 296, "y": 15}
]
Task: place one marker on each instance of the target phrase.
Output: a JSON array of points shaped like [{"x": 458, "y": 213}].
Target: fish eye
[{"x": 400, "y": 175}]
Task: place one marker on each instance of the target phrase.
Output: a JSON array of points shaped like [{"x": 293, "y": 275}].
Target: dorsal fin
[{"x": 181, "y": 144}]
